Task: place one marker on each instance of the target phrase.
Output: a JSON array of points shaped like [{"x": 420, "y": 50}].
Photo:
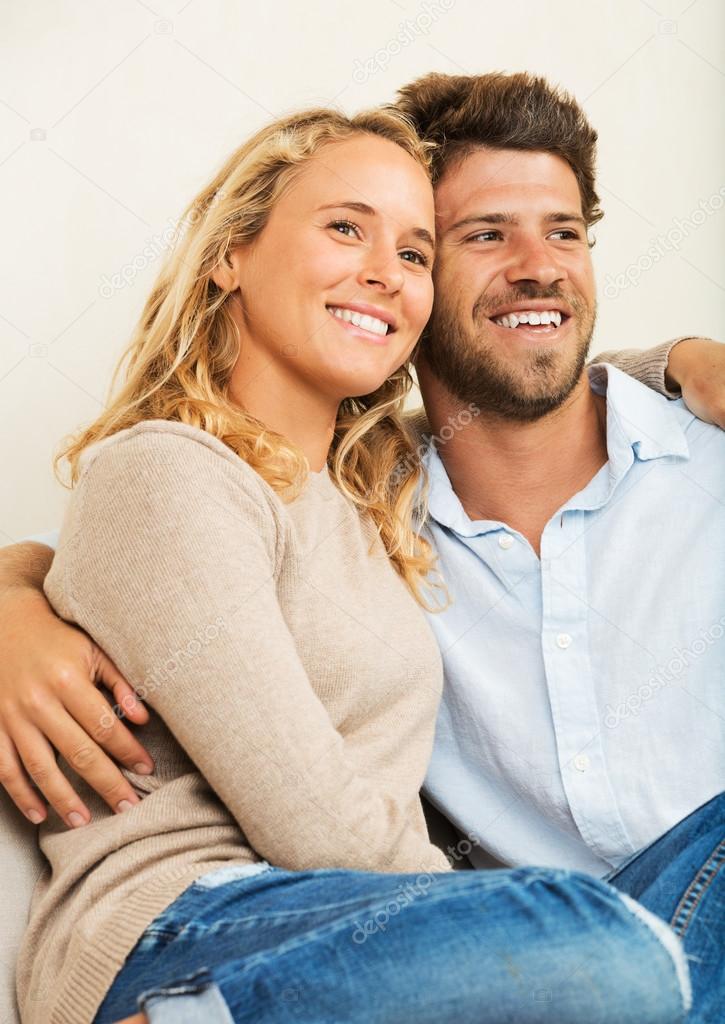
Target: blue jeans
[
  {"x": 331, "y": 946},
  {"x": 681, "y": 878}
]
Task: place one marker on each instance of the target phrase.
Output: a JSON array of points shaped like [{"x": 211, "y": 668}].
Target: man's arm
[
  {"x": 48, "y": 699},
  {"x": 691, "y": 368},
  {"x": 24, "y": 567}
]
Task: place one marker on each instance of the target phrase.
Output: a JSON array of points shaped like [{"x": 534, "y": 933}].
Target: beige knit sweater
[{"x": 293, "y": 684}]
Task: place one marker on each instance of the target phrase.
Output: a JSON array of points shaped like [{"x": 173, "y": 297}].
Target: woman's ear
[{"x": 226, "y": 274}]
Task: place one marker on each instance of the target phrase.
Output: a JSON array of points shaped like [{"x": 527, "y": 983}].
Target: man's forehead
[{"x": 504, "y": 180}]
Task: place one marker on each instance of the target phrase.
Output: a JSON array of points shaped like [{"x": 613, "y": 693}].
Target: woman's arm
[
  {"x": 691, "y": 367},
  {"x": 169, "y": 561},
  {"x": 48, "y": 699}
]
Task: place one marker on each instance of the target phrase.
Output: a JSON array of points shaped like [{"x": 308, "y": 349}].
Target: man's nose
[{"x": 534, "y": 261}]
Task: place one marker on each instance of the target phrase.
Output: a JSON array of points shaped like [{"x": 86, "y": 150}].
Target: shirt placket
[{"x": 571, "y": 687}]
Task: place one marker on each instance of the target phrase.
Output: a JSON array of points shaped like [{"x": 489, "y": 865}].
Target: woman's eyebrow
[{"x": 422, "y": 233}]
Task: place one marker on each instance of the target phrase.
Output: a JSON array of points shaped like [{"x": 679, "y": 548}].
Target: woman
[{"x": 242, "y": 537}]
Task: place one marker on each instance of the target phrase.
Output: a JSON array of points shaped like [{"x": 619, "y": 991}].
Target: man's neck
[{"x": 519, "y": 473}]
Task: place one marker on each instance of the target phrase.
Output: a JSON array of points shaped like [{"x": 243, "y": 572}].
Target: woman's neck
[{"x": 286, "y": 403}]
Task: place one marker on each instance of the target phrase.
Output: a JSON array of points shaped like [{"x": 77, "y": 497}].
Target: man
[
  {"x": 561, "y": 513},
  {"x": 548, "y": 485},
  {"x": 580, "y": 526}
]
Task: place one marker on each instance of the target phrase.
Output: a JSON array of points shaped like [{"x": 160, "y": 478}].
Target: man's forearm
[{"x": 24, "y": 566}]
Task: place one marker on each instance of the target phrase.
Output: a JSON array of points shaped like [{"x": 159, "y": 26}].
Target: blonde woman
[{"x": 242, "y": 538}]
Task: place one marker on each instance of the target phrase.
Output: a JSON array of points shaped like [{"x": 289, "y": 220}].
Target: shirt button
[
  {"x": 505, "y": 541},
  {"x": 563, "y": 640},
  {"x": 581, "y": 762}
]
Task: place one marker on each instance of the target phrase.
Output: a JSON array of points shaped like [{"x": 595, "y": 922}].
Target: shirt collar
[{"x": 641, "y": 425}]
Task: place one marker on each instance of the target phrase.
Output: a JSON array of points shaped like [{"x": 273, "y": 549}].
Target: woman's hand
[{"x": 48, "y": 699}]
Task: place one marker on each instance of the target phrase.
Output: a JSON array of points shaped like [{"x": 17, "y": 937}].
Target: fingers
[
  {"x": 138, "y": 1018},
  {"x": 77, "y": 740},
  {"x": 95, "y": 717},
  {"x": 15, "y": 780},
  {"x": 122, "y": 690},
  {"x": 39, "y": 766}
]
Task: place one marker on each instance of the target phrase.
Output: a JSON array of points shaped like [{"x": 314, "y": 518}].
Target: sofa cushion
[{"x": 21, "y": 863}]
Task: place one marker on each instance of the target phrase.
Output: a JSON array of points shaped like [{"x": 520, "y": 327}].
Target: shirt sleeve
[
  {"x": 647, "y": 365},
  {"x": 169, "y": 560}
]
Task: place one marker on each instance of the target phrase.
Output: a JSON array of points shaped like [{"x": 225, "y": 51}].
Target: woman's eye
[
  {"x": 345, "y": 227},
  {"x": 417, "y": 257}
]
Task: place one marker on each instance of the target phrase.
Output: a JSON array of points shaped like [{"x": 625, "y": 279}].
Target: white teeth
[
  {"x": 368, "y": 323},
  {"x": 552, "y": 316}
]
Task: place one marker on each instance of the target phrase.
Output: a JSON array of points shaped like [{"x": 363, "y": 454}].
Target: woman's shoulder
[{"x": 173, "y": 453}]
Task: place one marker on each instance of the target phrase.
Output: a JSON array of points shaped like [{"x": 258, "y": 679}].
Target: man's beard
[{"x": 471, "y": 370}]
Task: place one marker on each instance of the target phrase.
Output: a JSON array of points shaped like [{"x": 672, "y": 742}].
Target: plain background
[{"x": 114, "y": 114}]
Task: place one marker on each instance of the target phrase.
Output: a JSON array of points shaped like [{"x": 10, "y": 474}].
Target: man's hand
[
  {"x": 48, "y": 699},
  {"x": 697, "y": 367}
]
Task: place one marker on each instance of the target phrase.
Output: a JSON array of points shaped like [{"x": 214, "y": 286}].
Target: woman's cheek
[{"x": 422, "y": 306}]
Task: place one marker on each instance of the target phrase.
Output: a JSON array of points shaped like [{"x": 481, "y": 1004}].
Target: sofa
[{"x": 20, "y": 864}]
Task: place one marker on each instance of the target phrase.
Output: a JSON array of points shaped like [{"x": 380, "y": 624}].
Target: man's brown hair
[{"x": 461, "y": 113}]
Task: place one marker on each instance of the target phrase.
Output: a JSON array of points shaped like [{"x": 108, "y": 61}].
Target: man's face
[{"x": 512, "y": 241}]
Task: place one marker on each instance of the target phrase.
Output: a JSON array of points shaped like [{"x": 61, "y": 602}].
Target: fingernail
[
  {"x": 35, "y": 816},
  {"x": 75, "y": 819},
  {"x": 124, "y": 805},
  {"x": 142, "y": 769}
]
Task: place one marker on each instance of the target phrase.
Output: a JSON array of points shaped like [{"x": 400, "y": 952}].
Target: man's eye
[
  {"x": 485, "y": 236},
  {"x": 567, "y": 234},
  {"x": 418, "y": 257},
  {"x": 345, "y": 227}
]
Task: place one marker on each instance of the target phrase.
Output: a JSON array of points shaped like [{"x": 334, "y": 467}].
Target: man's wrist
[
  {"x": 23, "y": 568},
  {"x": 685, "y": 353}
]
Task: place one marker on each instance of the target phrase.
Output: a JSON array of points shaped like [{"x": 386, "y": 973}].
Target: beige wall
[{"x": 113, "y": 115}]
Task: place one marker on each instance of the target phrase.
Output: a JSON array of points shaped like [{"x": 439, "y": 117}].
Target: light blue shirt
[{"x": 583, "y": 712}]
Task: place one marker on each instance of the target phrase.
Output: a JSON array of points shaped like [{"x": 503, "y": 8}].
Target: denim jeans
[
  {"x": 313, "y": 947},
  {"x": 681, "y": 878}
]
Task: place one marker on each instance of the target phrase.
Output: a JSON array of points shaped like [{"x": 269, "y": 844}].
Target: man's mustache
[{"x": 487, "y": 303}]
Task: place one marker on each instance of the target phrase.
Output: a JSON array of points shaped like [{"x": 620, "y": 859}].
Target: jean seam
[{"x": 692, "y": 897}]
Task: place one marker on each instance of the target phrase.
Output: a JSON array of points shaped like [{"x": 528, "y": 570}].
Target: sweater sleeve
[
  {"x": 646, "y": 365},
  {"x": 168, "y": 544}
]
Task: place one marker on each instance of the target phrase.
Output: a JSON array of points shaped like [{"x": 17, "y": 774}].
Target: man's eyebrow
[
  {"x": 421, "y": 233},
  {"x": 485, "y": 218},
  {"x": 564, "y": 217}
]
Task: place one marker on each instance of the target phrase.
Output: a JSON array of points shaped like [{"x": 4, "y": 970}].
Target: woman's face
[{"x": 337, "y": 287}]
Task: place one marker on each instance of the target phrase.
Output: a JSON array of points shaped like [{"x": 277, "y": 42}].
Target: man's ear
[{"x": 226, "y": 275}]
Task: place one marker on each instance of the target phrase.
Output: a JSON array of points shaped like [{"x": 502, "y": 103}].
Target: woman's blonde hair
[{"x": 180, "y": 359}]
